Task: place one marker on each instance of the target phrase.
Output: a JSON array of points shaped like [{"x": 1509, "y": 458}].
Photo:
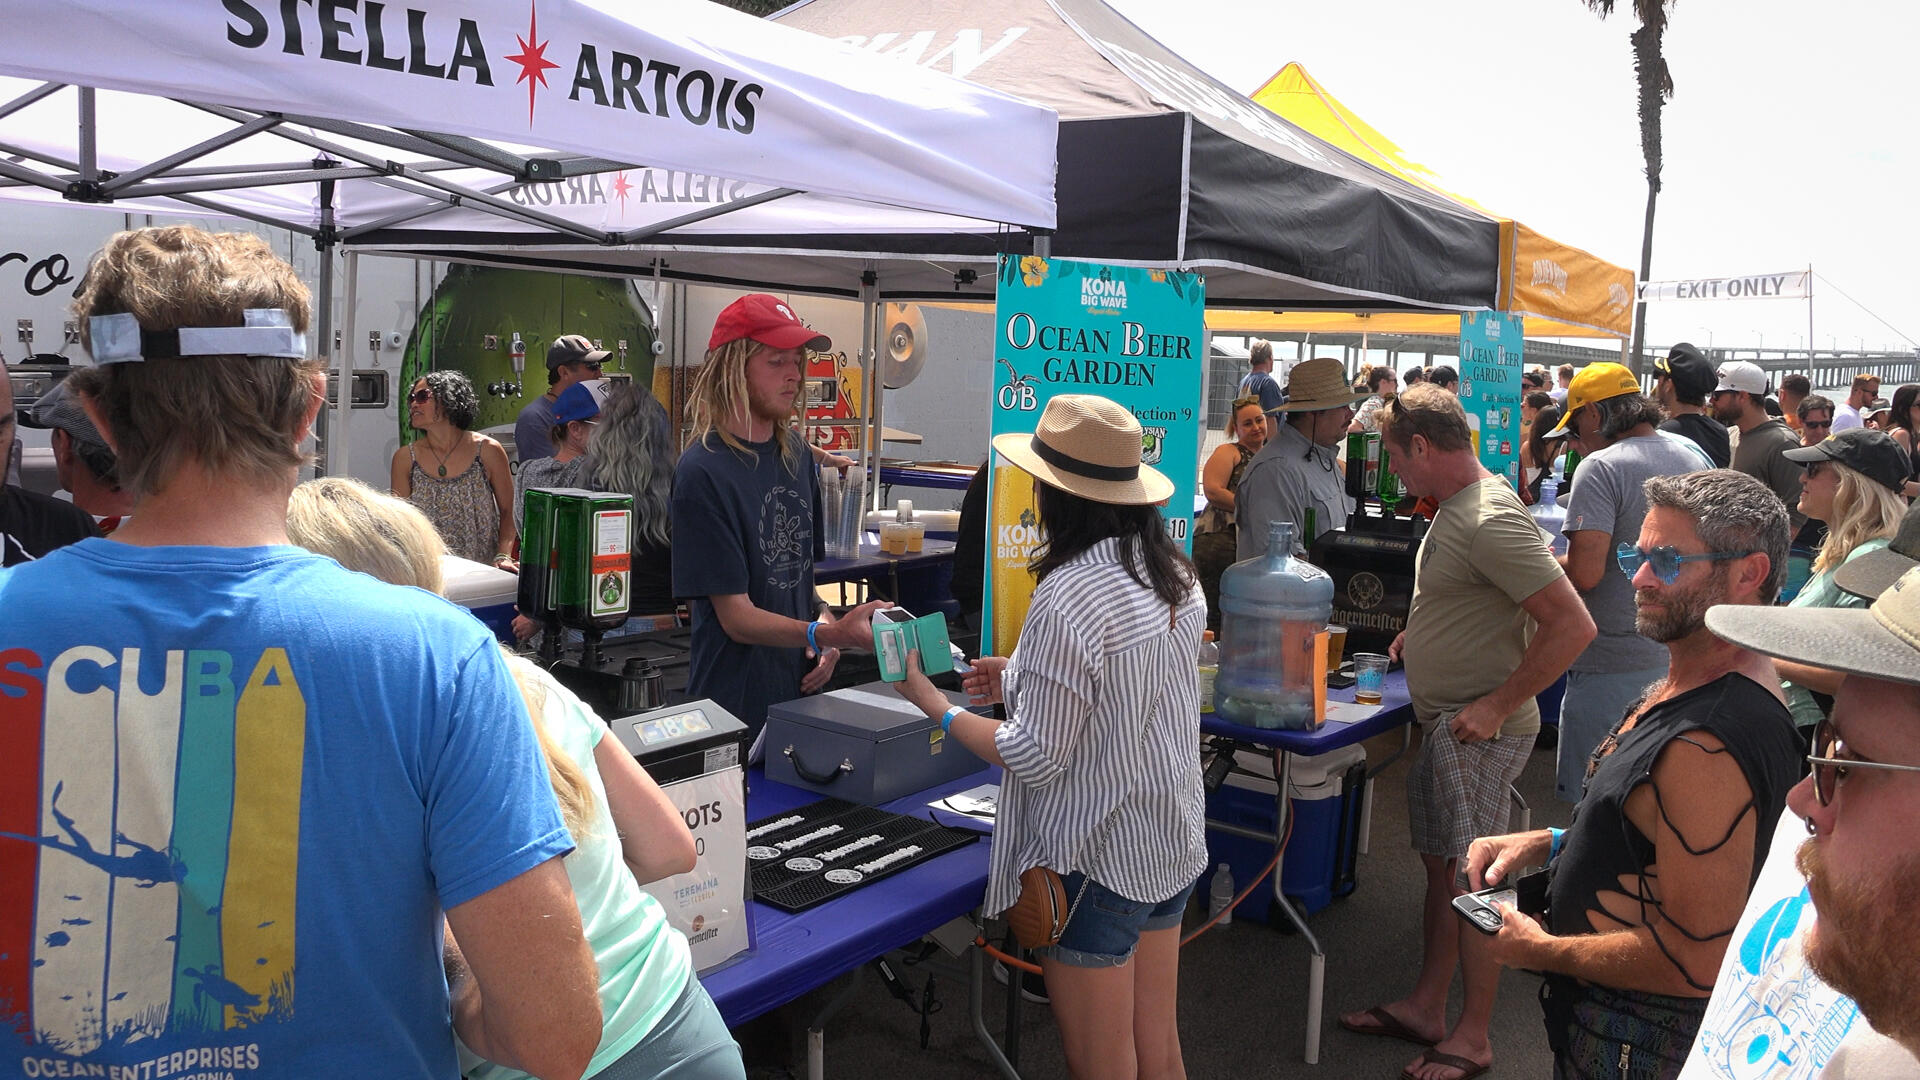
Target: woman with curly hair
[{"x": 457, "y": 477}]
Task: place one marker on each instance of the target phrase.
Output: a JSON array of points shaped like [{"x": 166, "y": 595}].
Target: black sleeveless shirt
[{"x": 1603, "y": 848}]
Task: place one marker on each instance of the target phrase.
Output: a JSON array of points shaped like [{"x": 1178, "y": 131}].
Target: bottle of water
[
  {"x": 1220, "y": 895},
  {"x": 1209, "y": 663},
  {"x": 1550, "y": 515}
]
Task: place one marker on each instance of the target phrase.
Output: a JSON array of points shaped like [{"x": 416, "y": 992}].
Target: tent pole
[
  {"x": 322, "y": 428},
  {"x": 870, "y": 386},
  {"x": 343, "y": 400},
  {"x": 89, "y": 147}
]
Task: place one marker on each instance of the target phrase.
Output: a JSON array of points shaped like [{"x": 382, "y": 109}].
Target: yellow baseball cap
[{"x": 1595, "y": 382}]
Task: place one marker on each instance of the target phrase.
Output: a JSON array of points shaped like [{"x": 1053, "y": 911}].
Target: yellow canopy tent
[{"x": 1561, "y": 290}]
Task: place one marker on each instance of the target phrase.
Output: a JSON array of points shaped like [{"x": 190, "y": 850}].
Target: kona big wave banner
[{"x": 1126, "y": 333}]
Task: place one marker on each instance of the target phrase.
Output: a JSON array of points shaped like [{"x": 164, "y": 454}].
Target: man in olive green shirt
[{"x": 1494, "y": 621}]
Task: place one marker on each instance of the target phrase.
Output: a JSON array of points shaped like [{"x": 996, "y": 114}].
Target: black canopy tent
[{"x": 1159, "y": 164}]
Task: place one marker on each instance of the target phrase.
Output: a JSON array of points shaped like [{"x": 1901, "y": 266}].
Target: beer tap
[{"x": 517, "y": 353}]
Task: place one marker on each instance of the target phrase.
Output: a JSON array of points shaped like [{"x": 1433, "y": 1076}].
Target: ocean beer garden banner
[
  {"x": 1491, "y": 344},
  {"x": 1128, "y": 334}
]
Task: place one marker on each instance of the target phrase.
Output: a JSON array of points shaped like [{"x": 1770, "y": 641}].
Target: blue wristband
[
  {"x": 946, "y": 720},
  {"x": 812, "y": 643},
  {"x": 1559, "y": 841}
]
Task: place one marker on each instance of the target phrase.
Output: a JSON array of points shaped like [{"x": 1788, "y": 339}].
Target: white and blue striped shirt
[{"x": 1095, "y": 657}]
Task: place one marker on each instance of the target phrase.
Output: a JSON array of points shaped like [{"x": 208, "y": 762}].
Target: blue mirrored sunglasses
[{"x": 1666, "y": 560}]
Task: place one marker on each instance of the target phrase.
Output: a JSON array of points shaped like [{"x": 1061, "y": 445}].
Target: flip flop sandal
[
  {"x": 1468, "y": 1067},
  {"x": 1387, "y": 1026}
]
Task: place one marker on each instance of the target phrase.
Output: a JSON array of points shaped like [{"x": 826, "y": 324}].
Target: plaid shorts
[{"x": 1459, "y": 791}]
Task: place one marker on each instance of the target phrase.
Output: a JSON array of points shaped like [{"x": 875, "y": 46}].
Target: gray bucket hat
[
  {"x": 1882, "y": 642},
  {"x": 1873, "y": 573}
]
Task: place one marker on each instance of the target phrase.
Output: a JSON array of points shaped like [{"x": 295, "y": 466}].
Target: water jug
[
  {"x": 1550, "y": 515},
  {"x": 1272, "y": 606}
]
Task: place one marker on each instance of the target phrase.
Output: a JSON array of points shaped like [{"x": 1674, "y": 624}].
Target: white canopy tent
[{"x": 344, "y": 121}]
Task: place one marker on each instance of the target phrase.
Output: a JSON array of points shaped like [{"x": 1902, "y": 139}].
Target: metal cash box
[{"x": 864, "y": 744}]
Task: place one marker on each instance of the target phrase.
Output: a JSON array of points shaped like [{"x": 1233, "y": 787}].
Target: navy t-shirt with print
[{"x": 744, "y": 523}]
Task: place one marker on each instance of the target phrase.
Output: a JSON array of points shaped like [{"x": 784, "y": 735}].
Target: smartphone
[
  {"x": 1479, "y": 908},
  {"x": 894, "y": 614}
]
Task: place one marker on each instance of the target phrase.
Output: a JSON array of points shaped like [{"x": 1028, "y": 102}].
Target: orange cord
[{"x": 1023, "y": 965}]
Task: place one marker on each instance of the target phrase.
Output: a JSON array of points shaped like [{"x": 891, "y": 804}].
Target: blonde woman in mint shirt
[{"x": 657, "y": 1019}]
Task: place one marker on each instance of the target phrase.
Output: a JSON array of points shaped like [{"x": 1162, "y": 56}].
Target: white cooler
[{"x": 487, "y": 591}]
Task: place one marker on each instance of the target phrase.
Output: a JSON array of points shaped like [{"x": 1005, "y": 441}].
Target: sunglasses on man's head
[
  {"x": 1829, "y": 768},
  {"x": 1666, "y": 560}
]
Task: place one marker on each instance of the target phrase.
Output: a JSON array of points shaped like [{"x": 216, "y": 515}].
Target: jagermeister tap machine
[
  {"x": 1372, "y": 559},
  {"x": 575, "y": 568}
]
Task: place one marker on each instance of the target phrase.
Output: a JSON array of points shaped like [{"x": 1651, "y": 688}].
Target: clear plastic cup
[
  {"x": 1369, "y": 675},
  {"x": 916, "y": 537},
  {"x": 893, "y": 538}
]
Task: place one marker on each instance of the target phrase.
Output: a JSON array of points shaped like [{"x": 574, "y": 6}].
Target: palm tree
[{"x": 1656, "y": 88}]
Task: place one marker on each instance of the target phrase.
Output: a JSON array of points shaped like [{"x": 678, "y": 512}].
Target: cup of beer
[
  {"x": 1369, "y": 673},
  {"x": 893, "y": 538},
  {"x": 1336, "y": 646},
  {"x": 916, "y": 537}
]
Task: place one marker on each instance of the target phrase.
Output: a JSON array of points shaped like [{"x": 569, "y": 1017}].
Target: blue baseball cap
[{"x": 581, "y": 401}]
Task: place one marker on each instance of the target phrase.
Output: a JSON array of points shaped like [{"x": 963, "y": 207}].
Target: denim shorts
[{"x": 1106, "y": 927}]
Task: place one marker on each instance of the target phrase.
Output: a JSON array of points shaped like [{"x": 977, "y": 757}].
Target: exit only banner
[{"x": 1794, "y": 285}]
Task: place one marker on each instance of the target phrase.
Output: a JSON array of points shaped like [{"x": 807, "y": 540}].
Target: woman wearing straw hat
[
  {"x": 1298, "y": 469},
  {"x": 1102, "y": 780}
]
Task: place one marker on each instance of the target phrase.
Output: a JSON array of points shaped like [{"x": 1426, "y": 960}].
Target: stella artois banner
[
  {"x": 1128, "y": 334},
  {"x": 691, "y": 87},
  {"x": 1792, "y": 285}
]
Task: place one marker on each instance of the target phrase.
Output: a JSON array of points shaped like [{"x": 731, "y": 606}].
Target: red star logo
[
  {"x": 532, "y": 59},
  {"x": 620, "y": 190}
]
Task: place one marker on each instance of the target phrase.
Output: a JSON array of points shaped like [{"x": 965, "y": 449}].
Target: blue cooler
[{"x": 1328, "y": 799}]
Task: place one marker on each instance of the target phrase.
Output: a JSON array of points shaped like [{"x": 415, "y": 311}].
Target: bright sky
[{"x": 1793, "y": 135}]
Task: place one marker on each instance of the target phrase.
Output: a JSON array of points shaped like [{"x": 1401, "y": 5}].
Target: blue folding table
[{"x": 796, "y": 953}]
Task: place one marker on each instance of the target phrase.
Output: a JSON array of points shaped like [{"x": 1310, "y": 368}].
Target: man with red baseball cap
[{"x": 745, "y": 500}]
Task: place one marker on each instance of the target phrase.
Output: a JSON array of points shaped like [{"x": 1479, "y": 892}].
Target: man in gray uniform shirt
[{"x": 1298, "y": 469}]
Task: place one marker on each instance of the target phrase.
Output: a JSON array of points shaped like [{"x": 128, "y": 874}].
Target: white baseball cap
[{"x": 1743, "y": 376}]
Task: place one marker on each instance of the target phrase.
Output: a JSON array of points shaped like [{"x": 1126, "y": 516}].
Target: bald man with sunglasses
[{"x": 1680, "y": 800}]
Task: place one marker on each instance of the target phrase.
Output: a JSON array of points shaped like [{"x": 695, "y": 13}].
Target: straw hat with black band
[
  {"x": 1088, "y": 446},
  {"x": 1318, "y": 385}
]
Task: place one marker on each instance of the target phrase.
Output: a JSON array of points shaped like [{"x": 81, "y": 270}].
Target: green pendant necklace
[{"x": 443, "y": 457}]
